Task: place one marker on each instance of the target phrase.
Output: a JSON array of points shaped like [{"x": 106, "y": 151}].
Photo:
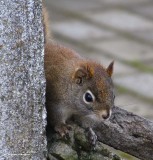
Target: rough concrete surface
[{"x": 22, "y": 82}]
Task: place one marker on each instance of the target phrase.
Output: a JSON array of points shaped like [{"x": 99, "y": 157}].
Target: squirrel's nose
[{"x": 106, "y": 116}]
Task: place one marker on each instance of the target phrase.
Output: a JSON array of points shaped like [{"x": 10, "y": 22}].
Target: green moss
[
  {"x": 127, "y": 156},
  {"x": 115, "y": 157},
  {"x": 140, "y": 66},
  {"x": 81, "y": 140},
  {"x": 102, "y": 150},
  {"x": 123, "y": 90},
  {"x": 62, "y": 151}
]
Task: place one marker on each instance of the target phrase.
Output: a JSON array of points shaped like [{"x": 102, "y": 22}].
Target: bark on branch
[{"x": 129, "y": 133}]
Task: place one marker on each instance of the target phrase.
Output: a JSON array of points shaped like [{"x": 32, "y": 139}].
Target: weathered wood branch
[{"x": 129, "y": 133}]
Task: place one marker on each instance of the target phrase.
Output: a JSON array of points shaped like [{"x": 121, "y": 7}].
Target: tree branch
[{"x": 129, "y": 133}]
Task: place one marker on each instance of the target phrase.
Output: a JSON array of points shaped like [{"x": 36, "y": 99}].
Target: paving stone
[
  {"x": 146, "y": 10},
  {"x": 73, "y": 5},
  {"x": 67, "y": 44},
  {"x": 119, "y": 68},
  {"x": 135, "y": 105},
  {"x": 149, "y": 63},
  {"x": 121, "y": 20},
  {"x": 56, "y": 17},
  {"x": 81, "y": 31},
  {"x": 121, "y": 2},
  {"x": 146, "y": 35},
  {"x": 126, "y": 49},
  {"x": 141, "y": 84}
]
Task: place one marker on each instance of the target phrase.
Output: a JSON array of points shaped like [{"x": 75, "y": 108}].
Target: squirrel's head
[{"x": 93, "y": 89}]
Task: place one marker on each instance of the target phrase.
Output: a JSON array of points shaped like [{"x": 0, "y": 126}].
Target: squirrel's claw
[
  {"x": 63, "y": 130},
  {"x": 92, "y": 137}
]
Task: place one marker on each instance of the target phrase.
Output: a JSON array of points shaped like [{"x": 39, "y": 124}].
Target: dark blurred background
[{"x": 106, "y": 30}]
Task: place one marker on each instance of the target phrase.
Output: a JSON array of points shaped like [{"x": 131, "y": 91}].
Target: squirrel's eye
[{"x": 88, "y": 97}]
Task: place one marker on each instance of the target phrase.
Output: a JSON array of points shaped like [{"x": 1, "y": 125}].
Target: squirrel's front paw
[
  {"x": 92, "y": 137},
  {"x": 63, "y": 130}
]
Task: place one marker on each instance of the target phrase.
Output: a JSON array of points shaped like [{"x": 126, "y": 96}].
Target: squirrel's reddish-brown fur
[{"x": 76, "y": 87}]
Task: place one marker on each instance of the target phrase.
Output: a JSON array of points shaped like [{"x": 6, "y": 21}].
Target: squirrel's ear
[
  {"x": 82, "y": 72},
  {"x": 110, "y": 68}
]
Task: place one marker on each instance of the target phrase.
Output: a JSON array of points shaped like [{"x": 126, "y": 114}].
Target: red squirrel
[{"x": 75, "y": 87}]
